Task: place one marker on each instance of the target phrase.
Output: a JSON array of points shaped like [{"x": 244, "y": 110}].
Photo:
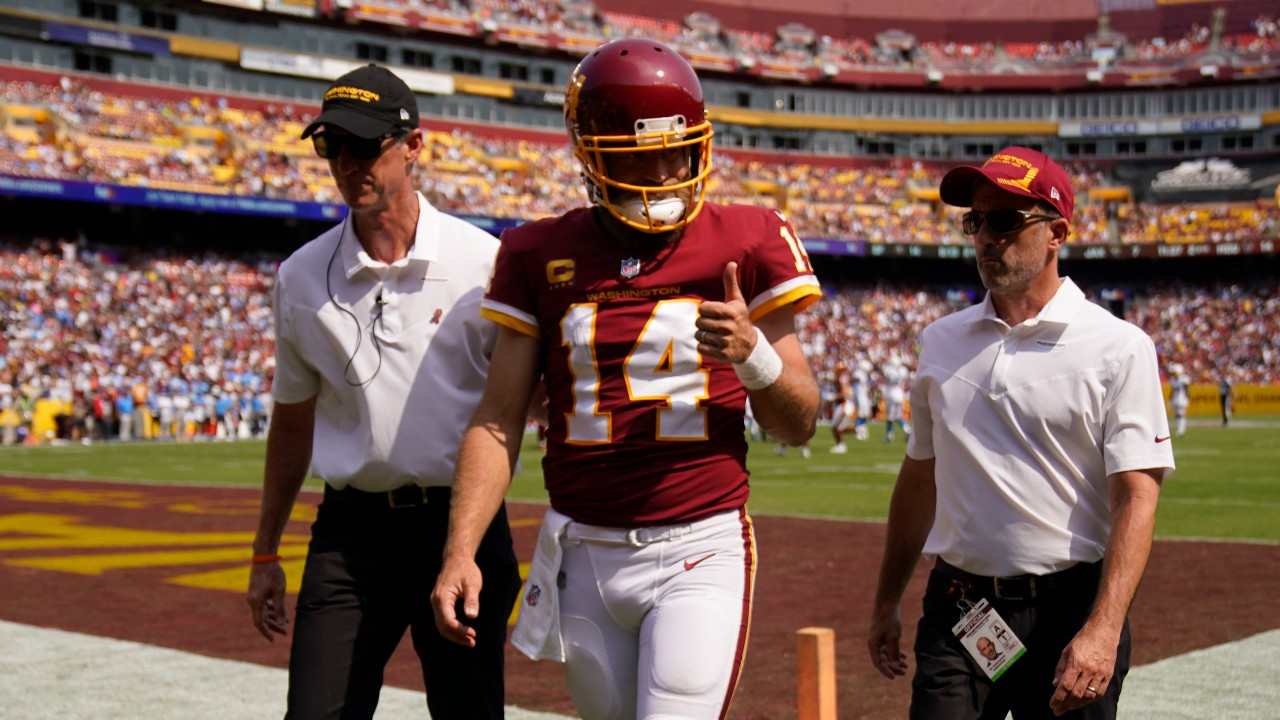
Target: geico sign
[
  {"x": 1109, "y": 128},
  {"x": 1117, "y": 128},
  {"x": 1211, "y": 124}
]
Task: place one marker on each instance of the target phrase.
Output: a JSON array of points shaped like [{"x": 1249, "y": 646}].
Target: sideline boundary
[
  {"x": 122, "y": 680},
  {"x": 55, "y": 675}
]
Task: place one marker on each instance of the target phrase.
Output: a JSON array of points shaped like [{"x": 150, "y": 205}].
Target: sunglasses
[
  {"x": 1000, "y": 222},
  {"x": 330, "y": 146}
]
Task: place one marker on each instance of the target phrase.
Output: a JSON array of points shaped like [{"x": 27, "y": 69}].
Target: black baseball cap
[{"x": 367, "y": 102}]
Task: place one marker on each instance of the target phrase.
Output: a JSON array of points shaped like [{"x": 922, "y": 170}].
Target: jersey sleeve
[
  {"x": 779, "y": 269},
  {"x": 509, "y": 300}
]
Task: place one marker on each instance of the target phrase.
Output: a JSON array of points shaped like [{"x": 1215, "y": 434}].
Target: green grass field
[{"x": 1227, "y": 484}]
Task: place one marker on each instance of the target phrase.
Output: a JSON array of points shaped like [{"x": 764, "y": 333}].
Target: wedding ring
[{"x": 1092, "y": 689}]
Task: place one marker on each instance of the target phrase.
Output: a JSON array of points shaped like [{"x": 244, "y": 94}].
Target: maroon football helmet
[{"x": 631, "y": 96}]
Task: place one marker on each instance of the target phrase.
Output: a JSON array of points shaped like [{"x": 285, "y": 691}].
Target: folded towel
[{"x": 537, "y": 632}]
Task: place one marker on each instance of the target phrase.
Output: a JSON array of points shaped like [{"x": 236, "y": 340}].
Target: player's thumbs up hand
[
  {"x": 724, "y": 329},
  {"x": 732, "y": 292}
]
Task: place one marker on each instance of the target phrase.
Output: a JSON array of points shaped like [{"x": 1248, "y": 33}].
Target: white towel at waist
[{"x": 537, "y": 632}]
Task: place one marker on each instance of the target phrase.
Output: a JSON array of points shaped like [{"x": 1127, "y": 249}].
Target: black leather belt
[
  {"x": 1078, "y": 577},
  {"x": 405, "y": 496}
]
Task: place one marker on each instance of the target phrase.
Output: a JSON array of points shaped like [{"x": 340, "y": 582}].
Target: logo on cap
[
  {"x": 367, "y": 102},
  {"x": 1023, "y": 182},
  {"x": 346, "y": 92}
]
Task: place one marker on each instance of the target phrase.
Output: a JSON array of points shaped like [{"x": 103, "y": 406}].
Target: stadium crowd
[
  {"x": 1214, "y": 330},
  {"x": 74, "y": 131},
  {"x": 134, "y": 343},
  {"x": 794, "y": 44},
  {"x": 141, "y": 344}
]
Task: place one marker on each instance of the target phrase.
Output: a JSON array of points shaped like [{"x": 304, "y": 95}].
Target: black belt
[
  {"x": 405, "y": 496},
  {"x": 1078, "y": 577}
]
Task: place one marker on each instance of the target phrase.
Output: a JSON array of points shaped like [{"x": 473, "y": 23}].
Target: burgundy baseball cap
[{"x": 1018, "y": 170}]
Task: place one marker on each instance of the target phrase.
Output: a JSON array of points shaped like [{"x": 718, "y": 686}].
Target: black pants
[
  {"x": 948, "y": 684},
  {"x": 369, "y": 575}
]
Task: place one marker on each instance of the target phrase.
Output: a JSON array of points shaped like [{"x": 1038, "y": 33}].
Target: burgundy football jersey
[{"x": 643, "y": 429}]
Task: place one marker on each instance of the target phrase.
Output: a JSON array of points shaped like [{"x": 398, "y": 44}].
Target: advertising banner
[
  {"x": 74, "y": 190},
  {"x": 113, "y": 39},
  {"x": 244, "y": 4},
  {"x": 1245, "y": 400},
  {"x": 1196, "y": 125},
  {"x": 281, "y": 63},
  {"x": 1201, "y": 179},
  {"x": 297, "y": 8},
  {"x": 166, "y": 199}
]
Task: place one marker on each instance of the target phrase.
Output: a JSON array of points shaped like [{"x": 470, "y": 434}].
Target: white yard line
[
  {"x": 58, "y": 675},
  {"x": 1235, "y": 681}
]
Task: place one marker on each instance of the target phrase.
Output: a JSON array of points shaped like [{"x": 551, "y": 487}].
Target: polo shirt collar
[
  {"x": 1061, "y": 308},
  {"x": 425, "y": 248}
]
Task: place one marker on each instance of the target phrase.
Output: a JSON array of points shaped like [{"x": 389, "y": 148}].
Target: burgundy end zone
[{"x": 811, "y": 573}]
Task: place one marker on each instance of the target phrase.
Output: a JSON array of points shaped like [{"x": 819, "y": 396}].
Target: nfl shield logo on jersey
[
  {"x": 630, "y": 268},
  {"x": 534, "y": 593}
]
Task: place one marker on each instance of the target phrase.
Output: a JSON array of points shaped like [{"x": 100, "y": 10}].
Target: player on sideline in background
[
  {"x": 652, "y": 317},
  {"x": 895, "y": 375},
  {"x": 862, "y": 400},
  {"x": 1179, "y": 397},
  {"x": 1224, "y": 397},
  {"x": 846, "y": 411}
]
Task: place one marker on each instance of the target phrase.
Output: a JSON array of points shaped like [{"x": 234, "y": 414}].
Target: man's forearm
[
  {"x": 485, "y": 463},
  {"x": 1125, "y": 559},
  {"x": 911, "y": 515},
  {"x": 289, "y": 444},
  {"x": 787, "y": 410}
]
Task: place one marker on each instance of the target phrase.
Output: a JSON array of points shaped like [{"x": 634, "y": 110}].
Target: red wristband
[{"x": 264, "y": 559}]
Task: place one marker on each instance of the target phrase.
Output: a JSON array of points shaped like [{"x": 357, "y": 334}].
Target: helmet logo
[
  {"x": 658, "y": 131},
  {"x": 571, "y": 98}
]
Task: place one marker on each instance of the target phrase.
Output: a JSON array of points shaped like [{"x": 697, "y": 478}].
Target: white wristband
[{"x": 762, "y": 367}]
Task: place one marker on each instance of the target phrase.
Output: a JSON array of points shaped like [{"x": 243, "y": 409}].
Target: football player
[{"x": 652, "y": 316}]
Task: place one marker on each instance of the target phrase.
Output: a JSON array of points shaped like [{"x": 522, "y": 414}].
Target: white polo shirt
[
  {"x": 399, "y": 423},
  {"x": 1026, "y": 423}
]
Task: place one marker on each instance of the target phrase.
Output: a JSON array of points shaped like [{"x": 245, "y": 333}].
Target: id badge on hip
[{"x": 988, "y": 639}]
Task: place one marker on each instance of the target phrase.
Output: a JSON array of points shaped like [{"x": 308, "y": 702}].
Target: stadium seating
[
  {"x": 191, "y": 337},
  {"x": 217, "y": 147},
  {"x": 747, "y": 47}
]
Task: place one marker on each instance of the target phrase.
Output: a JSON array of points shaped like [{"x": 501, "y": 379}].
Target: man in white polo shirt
[
  {"x": 1032, "y": 475},
  {"x": 381, "y": 357}
]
